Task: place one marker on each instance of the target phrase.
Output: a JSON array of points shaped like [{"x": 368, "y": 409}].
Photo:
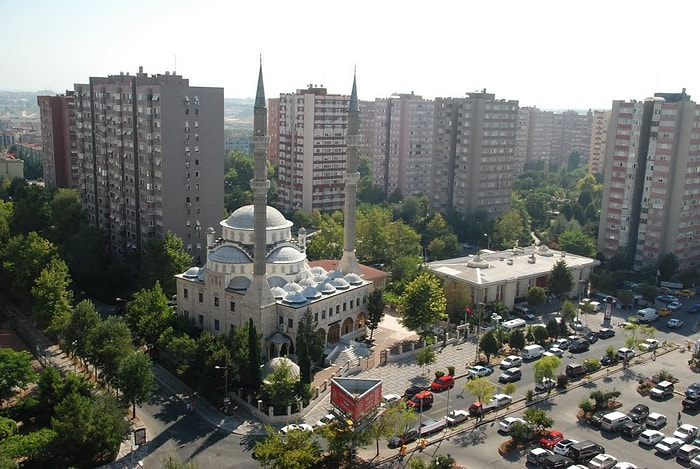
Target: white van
[
  {"x": 613, "y": 421},
  {"x": 532, "y": 352},
  {"x": 646, "y": 315}
]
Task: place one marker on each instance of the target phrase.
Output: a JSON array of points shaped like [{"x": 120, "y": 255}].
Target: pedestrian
[
  {"x": 187, "y": 407},
  {"x": 653, "y": 355}
]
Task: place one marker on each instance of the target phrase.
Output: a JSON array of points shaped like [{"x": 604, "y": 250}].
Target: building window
[
  {"x": 216, "y": 324},
  {"x": 185, "y": 293},
  {"x": 281, "y": 318},
  {"x": 201, "y": 320},
  {"x": 337, "y": 309},
  {"x": 323, "y": 314},
  {"x": 233, "y": 306},
  {"x": 290, "y": 323},
  {"x": 216, "y": 301},
  {"x": 345, "y": 307},
  {"x": 351, "y": 303},
  {"x": 186, "y": 314},
  {"x": 201, "y": 297}
]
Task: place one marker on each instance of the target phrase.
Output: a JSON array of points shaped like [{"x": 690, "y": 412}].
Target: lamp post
[
  {"x": 488, "y": 242},
  {"x": 225, "y": 368},
  {"x": 478, "y": 324}
]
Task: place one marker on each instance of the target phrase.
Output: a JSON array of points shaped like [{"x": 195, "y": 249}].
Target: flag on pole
[{"x": 468, "y": 310}]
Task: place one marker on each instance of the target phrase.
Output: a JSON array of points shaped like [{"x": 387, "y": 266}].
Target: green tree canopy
[
  {"x": 82, "y": 321},
  {"x": 508, "y": 229},
  {"x": 546, "y": 367},
  {"x": 489, "y": 344},
  {"x": 108, "y": 343},
  {"x": 136, "y": 379},
  {"x": 375, "y": 310},
  {"x": 422, "y": 303},
  {"x": 577, "y": 242},
  {"x": 52, "y": 297},
  {"x": 309, "y": 346},
  {"x": 15, "y": 372},
  {"x": 481, "y": 388},
  {"x": 536, "y": 296},
  {"x": 149, "y": 314},
  {"x": 296, "y": 450},
  {"x": 560, "y": 280},
  {"x": 162, "y": 260},
  {"x": 23, "y": 258}
]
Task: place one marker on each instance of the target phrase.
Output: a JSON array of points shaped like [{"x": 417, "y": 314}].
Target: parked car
[
  {"x": 556, "y": 461},
  {"x": 325, "y": 420},
  {"x": 606, "y": 333},
  {"x": 602, "y": 461},
  {"x": 674, "y": 323},
  {"x": 412, "y": 391},
  {"x": 511, "y": 361},
  {"x": 648, "y": 345},
  {"x": 554, "y": 351},
  {"x": 632, "y": 429},
  {"x": 505, "y": 424},
  {"x": 390, "y": 399},
  {"x": 639, "y": 413},
  {"x": 668, "y": 445},
  {"x": 594, "y": 420},
  {"x": 695, "y": 308},
  {"x": 408, "y": 436},
  {"x": 421, "y": 401},
  {"x": 545, "y": 384},
  {"x": 693, "y": 390},
  {"x": 650, "y": 437},
  {"x": 687, "y": 452},
  {"x": 563, "y": 446},
  {"x": 666, "y": 298},
  {"x": 656, "y": 420},
  {"x": 479, "y": 371},
  {"x": 591, "y": 336},
  {"x": 625, "y": 465},
  {"x": 562, "y": 343},
  {"x": 579, "y": 346},
  {"x": 674, "y": 305},
  {"x": 575, "y": 370},
  {"x": 691, "y": 403},
  {"x": 537, "y": 455},
  {"x": 686, "y": 432},
  {"x": 442, "y": 383},
  {"x": 456, "y": 416},
  {"x": 551, "y": 438},
  {"x": 662, "y": 390},
  {"x": 510, "y": 375},
  {"x": 607, "y": 360}
]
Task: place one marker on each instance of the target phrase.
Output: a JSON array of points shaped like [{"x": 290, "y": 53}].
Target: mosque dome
[
  {"x": 353, "y": 279},
  {"x": 292, "y": 287},
  {"x": 311, "y": 293},
  {"x": 192, "y": 272},
  {"x": 239, "y": 283},
  {"x": 285, "y": 254},
  {"x": 327, "y": 288},
  {"x": 295, "y": 297},
  {"x": 278, "y": 292},
  {"x": 270, "y": 366},
  {"x": 228, "y": 254},
  {"x": 242, "y": 219},
  {"x": 340, "y": 283},
  {"x": 276, "y": 281}
]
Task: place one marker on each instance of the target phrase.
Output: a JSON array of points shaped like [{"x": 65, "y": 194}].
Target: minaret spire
[{"x": 348, "y": 263}]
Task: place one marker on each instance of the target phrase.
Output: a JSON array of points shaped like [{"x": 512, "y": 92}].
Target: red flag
[{"x": 469, "y": 310}]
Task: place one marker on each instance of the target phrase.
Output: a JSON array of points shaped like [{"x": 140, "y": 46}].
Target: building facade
[
  {"x": 59, "y": 158},
  {"x": 398, "y": 138},
  {"x": 256, "y": 271},
  {"x": 312, "y": 151},
  {"x": 651, "y": 197},
  {"x": 599, "y": 133},
  {"x": 474, "y": 163},
  {"x": 150, "y": 155}
]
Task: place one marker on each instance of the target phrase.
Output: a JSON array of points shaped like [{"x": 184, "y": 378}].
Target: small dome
[
  {"x": 311, "y": 293},
  {"x": 242, "y": 219},
  {"x": 276, "y": 281},
  {"x": 270, "y": 366},
  {"x": 334, "y": 274},
  {"x": 295, "y": 297},
  {"x": 318, "y": 270},
  {"x": 239, "y": 283},
  {"x": 353, "y": 279},
  {"x": 192, "y": 272},
  {"x": 327, "y": 288},
  {"x": 229, "y": 255},
  {"x": 307, "y": 282},
  {"x": 292, "y": 287},
  {"x": 341, "y": 284},
  {"x": 285, "y": 254},
  {"x": 278, "y": 292},
  {"x": 320, "y": 278}
]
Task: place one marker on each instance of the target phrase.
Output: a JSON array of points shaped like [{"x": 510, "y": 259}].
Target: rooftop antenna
[{"x": 175, "y": 64}]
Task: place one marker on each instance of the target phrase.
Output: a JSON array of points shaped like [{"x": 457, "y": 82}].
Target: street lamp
[
  {"x": 225, "y": 368},
  {"x": 478, "y": 324},
  {"x": 488, "y": 242}
]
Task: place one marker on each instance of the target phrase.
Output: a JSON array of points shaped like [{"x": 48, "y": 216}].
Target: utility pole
[{"x": 478, "y": 324}]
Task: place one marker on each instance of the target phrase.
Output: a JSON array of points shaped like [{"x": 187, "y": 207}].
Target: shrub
[
  {"x": 530, "y": 395},
  {"x": 451, "y": 370},
  {"x": 439, "y": 374},
  {"x": 665, "y": 375},
  {"x": 587, "y": 405},
  {"x": 591, "y": 364},
  {"x": 562, "y": 380}
]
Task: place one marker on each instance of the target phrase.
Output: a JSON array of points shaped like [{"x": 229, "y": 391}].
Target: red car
[
  {"x": 551, "y": 438},
  {"x": 442, "y": 383},
  {"x": 421, "y": 401}
]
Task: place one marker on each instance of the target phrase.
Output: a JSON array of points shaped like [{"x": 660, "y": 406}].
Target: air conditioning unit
[{"x": 189, "y": 204}]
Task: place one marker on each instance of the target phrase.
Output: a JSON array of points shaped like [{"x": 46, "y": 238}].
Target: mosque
[{"x": 256, "y": 269}]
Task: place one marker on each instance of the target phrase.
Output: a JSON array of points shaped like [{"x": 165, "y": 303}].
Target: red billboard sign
[{"x": 355, "y": 398}]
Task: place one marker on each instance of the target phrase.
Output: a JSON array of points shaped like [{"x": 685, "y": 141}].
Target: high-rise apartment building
[
  {"x": 312, "y": 149},
  {"x": 474, "y": 154},
  {"x": 651, "y": 197},
  {"x": 398, "y": 138},
  {"x": 150, "y": 151},
  {"x": 59, "y": 161},
  {"x": 599, "y": 132}
]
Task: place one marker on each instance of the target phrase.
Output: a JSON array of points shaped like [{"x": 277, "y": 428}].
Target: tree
[
  {"x": 279, "y": 385},
  {"x": 309, "y": 346},
  {"x": 149, "y": 314},
  {"x": 296, "y": 450},
  {"x": 52, "y": 297},
  {"x": 517, "y": 339},
  {"x": 541, "y": 334},
  {"x": 393, "y": 421},
  {"x": 568, "y": 311},
  {"x": 577, "y": 242},
  {"x": 537, "y": 419},
  {"x": 82, "y": 321},
  {"x": 481, "y": 388},
  {"x": 375, "y": 310},
  {"x": 164, "y": 258},
  {"x": 15, "y": 372},
  {"x": 519, "y": 431},
  {"x": 136, "y": 379},
  {"x": 546, "y": 368},
  {"x": 553, "y": 328},
  {"x": 328, "y": 243},
  {"x": 425, "y": 356},
  {"x": 668, "y": 265},
  {"x": 560, "y": 280},
  {"x": 626, "y": 297},
  {"x": 108, "y": 344},
  {"x": 458, "y": 299},
  {"x": 253, "y": 378},
  {"x": 489, "y": 345},
  {"x": 509, "y": 228},
  {"x": 637, "y": 333},
  {"x": 422, "y": 303},
  {"x": 23, "y": 258},
  {"x": 536, "y": 296}
]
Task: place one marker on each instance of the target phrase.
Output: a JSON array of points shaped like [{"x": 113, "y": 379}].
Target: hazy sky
[{"x": 551, "y": 54}]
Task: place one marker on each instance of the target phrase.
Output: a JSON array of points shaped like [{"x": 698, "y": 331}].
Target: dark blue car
[{"x": 694, "y": 308}]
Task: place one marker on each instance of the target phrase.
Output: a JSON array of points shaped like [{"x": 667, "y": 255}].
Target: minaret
[
  {"x": 259, "y": 296},
  {"x": 348, "y": 263}
]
